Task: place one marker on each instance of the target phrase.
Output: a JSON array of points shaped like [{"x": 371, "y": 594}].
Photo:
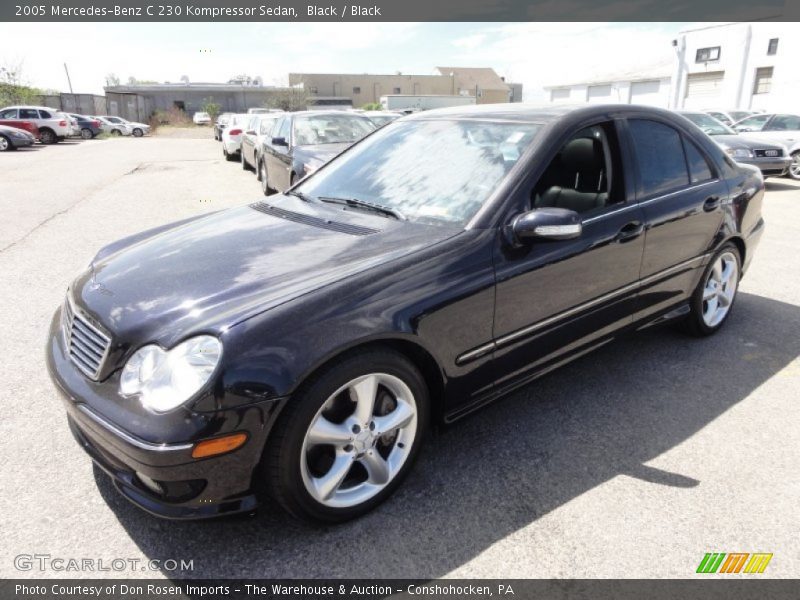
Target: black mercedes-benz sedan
[{"x": 301, "y": 346}]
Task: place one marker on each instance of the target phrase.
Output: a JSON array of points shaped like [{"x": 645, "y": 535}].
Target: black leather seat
[{"x": 582, "y": 178}]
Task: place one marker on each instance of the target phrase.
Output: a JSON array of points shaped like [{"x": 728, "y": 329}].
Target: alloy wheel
[
  {"x": 138, "y": 132},
  {"x": 720, "y": 289},
  {"x": 794, "y": 168},
  {"x": 86, "y": 134},
  {"x": 359, "y": 440},
  {"x": 264, "y": 183},
  {"x": 4, "y": 144}
]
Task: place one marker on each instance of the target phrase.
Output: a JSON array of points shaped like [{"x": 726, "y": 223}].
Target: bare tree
[
  {"x": 14, "y": 88},
  {"x": 112, "y": 80},
  {"x": 288, "y": 99}
]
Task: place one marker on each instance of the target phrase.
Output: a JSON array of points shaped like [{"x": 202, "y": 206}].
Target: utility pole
[{"x": 69, "y": 81}]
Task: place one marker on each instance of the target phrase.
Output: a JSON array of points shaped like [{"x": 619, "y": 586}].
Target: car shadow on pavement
[
  {"x": 773, "y": 185},
  {"x": 510, "y": 464}
]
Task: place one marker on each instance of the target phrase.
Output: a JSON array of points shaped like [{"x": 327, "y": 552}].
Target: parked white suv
[{"x": 54, "y": 126}]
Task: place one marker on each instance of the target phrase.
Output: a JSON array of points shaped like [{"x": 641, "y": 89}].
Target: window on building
[
  {"x": 313, "y": 89},
  {"x": 763, "y": 81},
  {"x": 356, "y": 90},
  {"x": 396, "y": 90},
  {"x": 772, "y": 49},
  {"x": 707, "y": 54}
]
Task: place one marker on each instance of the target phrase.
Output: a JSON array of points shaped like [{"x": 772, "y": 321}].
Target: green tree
[
  {"x": 212, "y": 108},
  {"x": 13, "y": 87},
  {"x": 372, "y": 106},
  {"x": 289, "y": 99}
]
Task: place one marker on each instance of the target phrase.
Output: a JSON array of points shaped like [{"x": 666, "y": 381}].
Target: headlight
[
  {"x": 164, "y": 380},
  {"x": 739, "y": 152}
]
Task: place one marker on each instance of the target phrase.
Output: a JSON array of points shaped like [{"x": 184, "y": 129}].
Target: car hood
[
  {"x": 319, "y": 152},
  {"x": 209, "y": 273},
  {"x": 742, "y": 141}
]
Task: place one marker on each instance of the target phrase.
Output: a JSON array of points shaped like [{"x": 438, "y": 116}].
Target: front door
[{"x": 555, "y": 299}]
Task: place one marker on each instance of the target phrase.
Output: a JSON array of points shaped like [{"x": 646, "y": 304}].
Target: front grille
[
  {"x": 768, "y": 153},
  {"x": 86, "y": 344}
]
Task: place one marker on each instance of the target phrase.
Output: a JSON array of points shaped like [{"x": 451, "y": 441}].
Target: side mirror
[
  {"x": 279, "y": 141},
  {"x": 544, "y": 224}
]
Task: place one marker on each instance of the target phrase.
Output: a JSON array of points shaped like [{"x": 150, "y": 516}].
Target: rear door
[{"x": 681, "y": 194}]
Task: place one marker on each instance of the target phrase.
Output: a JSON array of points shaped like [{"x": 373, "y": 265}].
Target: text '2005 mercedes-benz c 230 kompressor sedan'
[{"x": 302, "y": 345}]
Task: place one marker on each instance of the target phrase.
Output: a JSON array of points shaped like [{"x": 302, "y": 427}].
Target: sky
[{"x": 534, "y": 54}]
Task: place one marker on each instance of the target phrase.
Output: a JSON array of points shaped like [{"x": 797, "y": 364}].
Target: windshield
[
  {"x": 709, "y": 124},
  {"x": 738, "y": 115},
  {"x": 381, "y": 120},
  {"x": 330, "y": 129},
  {"x": 433, "y": 171}
]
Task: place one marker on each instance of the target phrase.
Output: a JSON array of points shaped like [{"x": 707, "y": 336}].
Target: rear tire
[
  {"x": 713, "y": 299},
  {"x": 47, "y": 136},
  {"x": 116, "y": 132},
  {"x": 138, "y": 132},
  {"x": 86, "y": 133},
  {"x": 348, "y": 437}
]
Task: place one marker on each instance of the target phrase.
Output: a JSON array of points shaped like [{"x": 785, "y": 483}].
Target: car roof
[
  {"x": 528, "y": 113},
  {"x": 313, "y": 113}
]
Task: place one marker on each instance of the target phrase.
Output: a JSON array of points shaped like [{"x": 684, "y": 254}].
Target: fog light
[
  {"x": 219, "y": 445},
  {"x": 150, "y": 484}
]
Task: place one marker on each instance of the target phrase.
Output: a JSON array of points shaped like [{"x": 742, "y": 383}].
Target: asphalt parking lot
[{"x": 630, "y": 462}]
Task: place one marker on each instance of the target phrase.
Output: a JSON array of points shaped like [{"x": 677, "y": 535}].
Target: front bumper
[
  {"x": 187, "y": 488},
  {"x": 771, "y": 166}
]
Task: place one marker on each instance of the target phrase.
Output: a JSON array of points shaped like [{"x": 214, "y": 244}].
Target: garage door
[
  {"x": 648, "y": 93},
  {"x": 599, "y": 93},
  {"x": 703, "y": 90}
]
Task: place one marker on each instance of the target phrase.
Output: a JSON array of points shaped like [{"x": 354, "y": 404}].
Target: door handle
[
  {"x": 711, "y": 203},
  {"x": 630, "y": 231}
]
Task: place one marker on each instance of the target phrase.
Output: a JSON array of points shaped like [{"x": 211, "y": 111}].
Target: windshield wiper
[
  {"x": 385, "y": 210},
  {"x": 300, "y": 195}
]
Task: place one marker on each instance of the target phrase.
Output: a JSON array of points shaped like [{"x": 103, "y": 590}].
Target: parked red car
[{"x": 28, "y": 126}]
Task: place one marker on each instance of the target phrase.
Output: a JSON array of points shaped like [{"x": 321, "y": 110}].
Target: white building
[
  {"x": 723, "y": 66},
  {"x": 738, "y": 65},
  {"x": 644, "y": 85}
]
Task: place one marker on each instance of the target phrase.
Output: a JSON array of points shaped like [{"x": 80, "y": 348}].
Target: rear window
[
  {"x": 659, "y": 151},
  {"x": 43, "y": 114}
]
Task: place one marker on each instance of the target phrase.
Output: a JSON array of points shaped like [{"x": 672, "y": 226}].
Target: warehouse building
[
  {"x": 482, "y": 83},
  {"x": 727, "y": 66}
]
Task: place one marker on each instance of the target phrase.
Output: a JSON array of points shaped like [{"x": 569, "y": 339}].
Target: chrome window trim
[{"x": 127, "y": 437}]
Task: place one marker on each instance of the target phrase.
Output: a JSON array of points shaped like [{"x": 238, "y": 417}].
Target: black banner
[
  {"x": 751, "y": 588},
  {"x": 394, "y": 10}
]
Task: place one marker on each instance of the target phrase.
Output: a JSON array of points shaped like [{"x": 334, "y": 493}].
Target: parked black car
[
  {"x": 89, "y": 127},
  {"x": 771, "y": 159},
  {"x": 301, "y": 346},
  {"x": 304, "y": 141}
]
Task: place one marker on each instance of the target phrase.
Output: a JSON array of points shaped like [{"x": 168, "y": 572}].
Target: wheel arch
[{"x": 410, "y": 348}]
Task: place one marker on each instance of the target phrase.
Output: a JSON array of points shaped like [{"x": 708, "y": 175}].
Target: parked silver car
[
  {"x": 137, "y": 129},
  {"x": 772, "y": 158},
  {"x": 255, "y": 132},
  {"x": 778, "y": 128}
]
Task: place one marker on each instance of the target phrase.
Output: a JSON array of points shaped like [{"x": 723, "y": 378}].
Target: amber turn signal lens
[{"x": 219, "y": 445}]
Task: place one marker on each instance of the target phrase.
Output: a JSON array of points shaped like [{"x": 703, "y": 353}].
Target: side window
[
  {"x": 286, "y": 129},
  {"x": 266, "y": 126},
  {"x": 659, "y": 152},
  {"x": 11, "y": 113},
  {"x": 753, "y": 123},
  {"x": 699, "y": 169},
  {"x": 585, "y": 174},
  {"x": 42, "y": 113},
  {"x": 784, "y": 123},
  {"x": 28, "y": 113}
]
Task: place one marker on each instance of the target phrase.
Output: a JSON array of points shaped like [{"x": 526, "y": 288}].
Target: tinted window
[
  {"x": 28, "y": 113},
  {"x": 11, "y": 113},
  {"x": 266, "y": 126},
  {"x": 660, "y": 155},
  {"x": 285, "y": 130},
  {"x": 42, "y": 113},
  {"x": 699, "y": 168},
  {"x": 784, "y": 123}
]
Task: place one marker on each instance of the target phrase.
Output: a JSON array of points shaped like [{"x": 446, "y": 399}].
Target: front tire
[
  {"x": 86, "y": 133},
  {"x": 348, "y": 437},
  {"x": 715, "y": 295},
  {"x": 47, "y": 136},
  {"x": 794, "y": 168},
  {"x": 264, "y": 179},
  {"x": 138, "y": 132}
]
